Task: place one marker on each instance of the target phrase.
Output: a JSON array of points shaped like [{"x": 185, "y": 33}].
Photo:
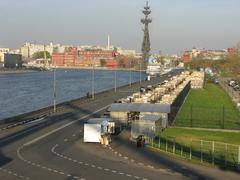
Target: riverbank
[
  {"x": 97, "y": 68},
  {"x": 15, "y": 71}
]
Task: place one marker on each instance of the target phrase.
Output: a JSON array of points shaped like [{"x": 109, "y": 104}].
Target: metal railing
[
  {"x": 219, "y": 118},
  {"x": 219, "y": 154}
]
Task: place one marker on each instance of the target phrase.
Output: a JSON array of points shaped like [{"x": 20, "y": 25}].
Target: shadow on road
[
  {"x": 4, "y": 159},
  {"x": 77, "y": 113}
]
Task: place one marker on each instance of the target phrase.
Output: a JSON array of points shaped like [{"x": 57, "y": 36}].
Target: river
[{"x": 22, "y": 93}]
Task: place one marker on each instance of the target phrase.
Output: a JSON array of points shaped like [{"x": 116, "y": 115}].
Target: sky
[{"x": 177, "y": 25}]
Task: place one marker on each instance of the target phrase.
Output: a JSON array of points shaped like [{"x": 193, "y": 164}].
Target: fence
[
  {"x": 218, "y": 154},
  {"x": 220, "y": 118}
]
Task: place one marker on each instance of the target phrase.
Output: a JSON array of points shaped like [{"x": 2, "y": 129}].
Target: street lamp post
[
  {"x": 93, "y": 83},
  {"x": 130, "y": 78},
  {"x": 115, "y": 80},
  {"x": 140, "y": 73},
  {"x": 54, "y": 90}
]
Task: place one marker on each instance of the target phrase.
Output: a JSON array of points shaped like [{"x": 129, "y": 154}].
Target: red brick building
[
  {"x": 79, "y": 58},
  {"x": 187, "y": 56}
]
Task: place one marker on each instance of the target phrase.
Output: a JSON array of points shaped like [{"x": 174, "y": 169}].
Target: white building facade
[{"x": 2, "y": 52}]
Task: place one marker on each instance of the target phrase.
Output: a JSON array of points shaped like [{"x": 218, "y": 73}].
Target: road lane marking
[
  {"x": 150, "y": 166},
  {"x": 52, "y": 131},
  {"x": 53, "y": 150},
  {"x": 38, "y": 165},
  {"x": 142, "y": 164},
  {"x": 14, "y": 173}
]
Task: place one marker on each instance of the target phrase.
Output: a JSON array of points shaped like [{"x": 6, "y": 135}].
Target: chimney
[{"x": 108, "y": 42}]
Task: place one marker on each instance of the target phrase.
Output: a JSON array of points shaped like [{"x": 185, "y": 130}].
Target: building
[
  {"x": 12, "y": 60},
  {"x": 203, "y": 54},
  {"x": 2, "y": 52},
  {"x": 187, "y": 57},
  {"x": 126, "y": 52},
  {"x": 29, "y": 49},
  {"x": 72, "y": 57}
]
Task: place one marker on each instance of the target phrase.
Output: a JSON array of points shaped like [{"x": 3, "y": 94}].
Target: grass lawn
[
  {"x": 185, "y": 135},
  {"x": 197, "y": 146},
  {"x": 210, "y": 107}
]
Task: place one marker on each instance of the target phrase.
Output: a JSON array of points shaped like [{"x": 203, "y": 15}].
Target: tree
[
  {"x": 41, "y": 55},
  {"x": 128, "y": 61}
]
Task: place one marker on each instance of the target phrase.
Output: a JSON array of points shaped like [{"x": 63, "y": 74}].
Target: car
[
  {"x": 216, "y": 81},
  {"x": 232, "y": 83},
  {"x": 236, "y": 88},
  {"x": 142, "y": 89}
]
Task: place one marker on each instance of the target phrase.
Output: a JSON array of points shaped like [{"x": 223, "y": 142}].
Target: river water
[{"x": 21, "y": 93}]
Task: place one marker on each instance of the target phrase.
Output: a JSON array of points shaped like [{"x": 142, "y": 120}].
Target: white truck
[
  {"x": 92, "y": 132},
  {"x": 96, "y": 128}
]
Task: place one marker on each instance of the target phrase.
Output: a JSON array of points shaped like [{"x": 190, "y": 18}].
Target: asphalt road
[{"x": 54, "y": 149}]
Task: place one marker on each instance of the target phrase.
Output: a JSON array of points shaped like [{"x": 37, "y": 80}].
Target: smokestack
[{"x": 108, "y": 42}]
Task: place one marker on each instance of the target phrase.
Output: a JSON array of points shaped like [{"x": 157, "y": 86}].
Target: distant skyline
[{"x": 177, "y": 25}]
